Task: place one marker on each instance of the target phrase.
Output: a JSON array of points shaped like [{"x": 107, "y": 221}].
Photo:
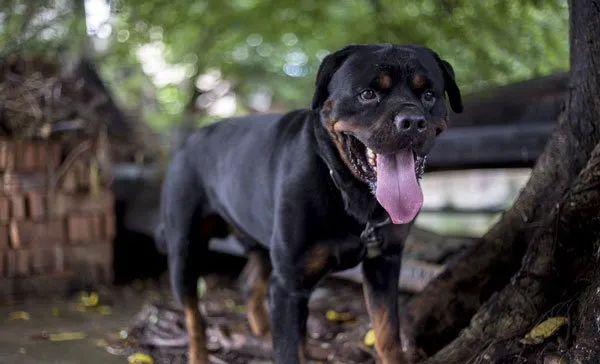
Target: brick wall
[{"x": 56, "y": 220}]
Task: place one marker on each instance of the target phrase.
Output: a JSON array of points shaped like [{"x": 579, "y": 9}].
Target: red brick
[
  {"x": 55, "y": 230},
  {"x": 29, "y": 156},
  {"x": 98, "y": 231},
  {"x": 36, "y": 203},
  {"x": 10, "y": 184},
  {"x": 7, "y": 154},
  {"x": 19, "y": 233},
  {"x": 17, "y": 207},
  {"x": 79, "y": 229},
  {"x": 4, "y": 209},
  {"x": 19, "y": 150},
  {"x": 42, "y": 156},
  {"x": 45, "y": 233},
  {"x": 61, "y": 204},
  {"x": 4, "y": 238}
]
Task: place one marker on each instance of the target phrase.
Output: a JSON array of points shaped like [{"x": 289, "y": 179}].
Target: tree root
[{"x": 566, "y": 239}]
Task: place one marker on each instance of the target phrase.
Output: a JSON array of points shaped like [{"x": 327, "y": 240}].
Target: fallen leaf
[
  {"x": 339, "y": 316},
  {"x": 140, "y": 358},
  {"x": 20, "y": 315},
  {"x": 544, "y": 330},
  {"x": 60, "y": 336},
  {"x": 67, "y": 336},
  {"x": 89, "y": 300},
  {"x": 369, "y": 339}
]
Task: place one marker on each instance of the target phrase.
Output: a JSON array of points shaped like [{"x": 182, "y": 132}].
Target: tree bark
[
  {"x": 586, "y": 346},
  {"x": 446, "y": 306},
  {"x": 565, "y": 240}
]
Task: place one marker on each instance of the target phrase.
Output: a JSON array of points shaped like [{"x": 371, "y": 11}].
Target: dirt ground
[
  {"x": 111, "y": 326},
  {"x": 28, "y": 331}
]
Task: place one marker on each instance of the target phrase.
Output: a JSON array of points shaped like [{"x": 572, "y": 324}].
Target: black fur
[{"x": 281, "y": 181}]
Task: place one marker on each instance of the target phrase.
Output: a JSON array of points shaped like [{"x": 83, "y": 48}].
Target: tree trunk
[{"x": 529, "y": 255}]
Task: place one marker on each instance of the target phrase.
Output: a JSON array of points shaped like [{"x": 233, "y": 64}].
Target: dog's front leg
[
  {"x": 381, "y": 278},
  {"x": 289, "y": 314}
]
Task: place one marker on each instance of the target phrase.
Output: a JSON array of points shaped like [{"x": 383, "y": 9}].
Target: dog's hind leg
[
  {"x": 181, "y": 203},
  {"x": 255, "y": 282}
]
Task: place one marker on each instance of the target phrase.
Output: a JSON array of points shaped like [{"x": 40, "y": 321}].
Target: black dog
[{"x": 309, "y": 192}]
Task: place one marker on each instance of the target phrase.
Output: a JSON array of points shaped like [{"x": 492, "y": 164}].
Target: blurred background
[
  {"x": 95, "y": 94},
  {"x": 212, "y": 59},
  {"x": 163, "y": 68}
]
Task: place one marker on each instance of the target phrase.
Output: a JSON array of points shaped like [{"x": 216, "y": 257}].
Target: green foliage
[
  {"x": 49, "y": 27},
  {"x": 253, "y": 42}
]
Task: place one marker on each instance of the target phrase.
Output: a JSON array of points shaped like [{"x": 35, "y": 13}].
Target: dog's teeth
[
  {"x": 372, "y": 158},
  {"x": 370, "y": 153}
]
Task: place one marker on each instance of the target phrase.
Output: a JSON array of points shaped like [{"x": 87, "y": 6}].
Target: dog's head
[{"x": 383, "y": 106}]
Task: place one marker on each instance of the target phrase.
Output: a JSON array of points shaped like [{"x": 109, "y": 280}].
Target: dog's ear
[
  {"x": 450, "y": 85},
  {"x": 330, "y": 64}
]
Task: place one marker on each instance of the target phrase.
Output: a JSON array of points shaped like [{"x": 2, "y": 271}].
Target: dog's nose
[{"x": 410, "y": 123}]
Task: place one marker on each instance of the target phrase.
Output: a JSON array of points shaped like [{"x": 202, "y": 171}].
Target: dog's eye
[
  {"x": 428, "y": 95},
  {"x": 368, "y": 95}
]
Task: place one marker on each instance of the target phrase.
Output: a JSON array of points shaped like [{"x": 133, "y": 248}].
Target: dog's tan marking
[
  {"x": 384, "y": 81},
  {"x": 335, "y": 128},
  {"x": 196, "y": 329},
  {"x": 440, "y": 128},
  {"x": 387, "y": 341},
  {"x": 418, "y": 81},
  {"x": 317, "y": 260},
  {"x": 257, "y": 276}
]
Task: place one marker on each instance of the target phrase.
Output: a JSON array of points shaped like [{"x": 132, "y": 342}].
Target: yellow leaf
[
  {"x": 90, "y": 300},
  {"x": 544, "y": 330},
  {"x": 19, "y": 315},
  {"x": 338, "y": 316},
  {"x": 66, "y": 336},
  {"x": 370, "y": 338},
  {"x": 140, "y": 358}
]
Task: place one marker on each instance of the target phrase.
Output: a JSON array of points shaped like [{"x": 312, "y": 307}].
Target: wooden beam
[
  {"x": 491, "y": 146},
  {"x": 539, "y": 100}
]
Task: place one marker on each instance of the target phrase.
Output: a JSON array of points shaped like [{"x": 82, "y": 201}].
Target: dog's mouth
[{"x": 392, "y": 177}]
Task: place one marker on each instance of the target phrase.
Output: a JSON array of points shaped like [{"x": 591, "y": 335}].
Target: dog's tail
[{"x": 160, "y": 240}]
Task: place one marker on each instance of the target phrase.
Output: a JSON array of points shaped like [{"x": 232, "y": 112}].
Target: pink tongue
[{"x": 397, "y": 188}]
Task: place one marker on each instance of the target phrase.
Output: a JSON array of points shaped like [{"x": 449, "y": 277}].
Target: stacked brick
[{"x": 56, "y": 218}]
